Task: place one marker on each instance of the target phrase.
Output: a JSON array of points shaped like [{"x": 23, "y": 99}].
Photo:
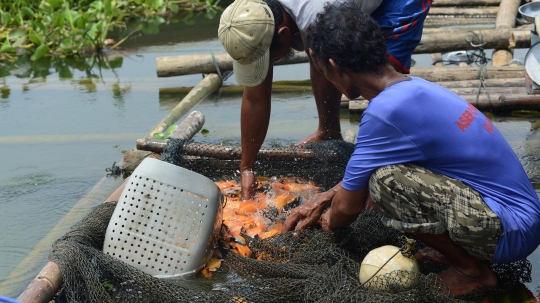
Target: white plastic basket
[{"x": 166, "y": 221}]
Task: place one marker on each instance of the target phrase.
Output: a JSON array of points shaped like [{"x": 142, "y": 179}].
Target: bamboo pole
[
  {"x": 44, "y": 286},
  {"x": 306, "y": 86},
  {"x": 513, "y": 82},
  {"x": 438, "y": 74},
  {"x": 495, "y": 91},
  {"x": 467, "y": 40},
  {"x": 463, "y": 11},
  {"x": 466, "y": 3},
  {"x": 470, "y": 86},
  {"x": 445, "y": 30},
  {"x": 506, "y": 18},
  {"x": 276, "y": 87},
  {"x": 501, "y": 57},
  {"x": 202, "y": 63},
  {"x": 491, "y": 90},
  {"x": 208, "y": 85},
  {"x": 191, "y": 125},
  {"x": 496, "y": 102},
  {"x": 520, "y": 39},
  {"x": 442, "y": 22},
  {"x": 234, "y": 152},
  {"x": 187, "y": 129}
]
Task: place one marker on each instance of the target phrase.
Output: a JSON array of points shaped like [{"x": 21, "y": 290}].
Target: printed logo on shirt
[
  {"x": 488, "y": 126},
  {"x": 467, "y": 117}
]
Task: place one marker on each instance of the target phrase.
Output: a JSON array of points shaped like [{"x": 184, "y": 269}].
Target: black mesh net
[
  {"x": 323, "y": 163},
  {"x": 299, "y": 266}
]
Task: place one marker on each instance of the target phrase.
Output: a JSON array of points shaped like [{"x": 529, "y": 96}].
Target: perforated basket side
[{"x": 166, "y": 221}]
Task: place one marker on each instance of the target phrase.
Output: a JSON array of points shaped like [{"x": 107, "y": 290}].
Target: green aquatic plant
[
  {"x": 165, "y": 134},
  {"x": 70, "y": 27}
]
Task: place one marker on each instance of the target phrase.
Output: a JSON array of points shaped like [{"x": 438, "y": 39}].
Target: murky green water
[{"x": 62, "y": 123}]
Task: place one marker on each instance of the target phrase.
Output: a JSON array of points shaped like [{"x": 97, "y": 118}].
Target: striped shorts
[{"x": 414, "y": 199}]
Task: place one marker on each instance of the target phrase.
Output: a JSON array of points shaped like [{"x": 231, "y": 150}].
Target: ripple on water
[{"x": 26, "y": 184}]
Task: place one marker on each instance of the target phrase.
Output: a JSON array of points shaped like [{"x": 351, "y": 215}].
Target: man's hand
[
  {"x": 325, "y": 221},
  {"x": 248, "y": 184},
  {"x": 308, "y": 215}
]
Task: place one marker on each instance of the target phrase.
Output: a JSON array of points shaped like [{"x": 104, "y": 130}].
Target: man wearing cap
[
  {"x": 434, "y": 165},
  {"x": 255, "y": 33}
]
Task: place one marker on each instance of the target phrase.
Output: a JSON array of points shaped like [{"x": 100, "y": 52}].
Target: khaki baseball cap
[{"x": 246, "y": 29}]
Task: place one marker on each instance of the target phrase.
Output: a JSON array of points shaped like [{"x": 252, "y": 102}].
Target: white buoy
[{"x": 376, "y": 260}]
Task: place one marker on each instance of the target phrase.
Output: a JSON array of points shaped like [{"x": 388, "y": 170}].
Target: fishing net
[
  {"x": 299, "y": 266},
  {"x": 322, "y": 163}
]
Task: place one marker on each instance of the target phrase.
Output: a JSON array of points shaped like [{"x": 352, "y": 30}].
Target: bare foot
[
  {"x": 433, "y": 254},
  {"x": 318, "y": 137},
  {"x": 463, "y": 281}
]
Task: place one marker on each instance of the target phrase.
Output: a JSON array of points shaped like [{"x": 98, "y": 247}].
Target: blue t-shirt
[{"x": 423, "y": 123}]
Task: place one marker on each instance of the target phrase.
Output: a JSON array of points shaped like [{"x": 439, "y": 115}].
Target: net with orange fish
[
  {"x": 254, "y": 261},
  {"x": 260, "y": 218}
]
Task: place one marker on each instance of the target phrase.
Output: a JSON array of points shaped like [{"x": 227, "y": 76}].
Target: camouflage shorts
[{"x": 417, "y": 200}]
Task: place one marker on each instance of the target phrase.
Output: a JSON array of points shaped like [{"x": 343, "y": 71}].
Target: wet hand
[
  {"x": 325, "y": 218},
  {"x": 308, "y": 215},
  {"x": 248, "y": 184}
]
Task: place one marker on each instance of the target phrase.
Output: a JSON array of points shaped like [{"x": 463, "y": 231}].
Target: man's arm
[
  {"x": 254, "y": 120},
  {"x": 327, "y": 99},
  {"x": 345, "y": 208}
]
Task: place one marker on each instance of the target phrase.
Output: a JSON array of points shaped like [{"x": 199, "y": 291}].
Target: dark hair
[
  {"x": 348, "y": 36},
  {"x": 277, "y": 11}
]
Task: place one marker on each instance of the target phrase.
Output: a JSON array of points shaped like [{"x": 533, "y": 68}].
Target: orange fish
[
  {"x": 240, "y": 249},
  {"x": 248, "y": 216},
  {"x": 283, "y": 199},
  {"x": 273, "y": 230},
  {"x": 248, "y": 207}
]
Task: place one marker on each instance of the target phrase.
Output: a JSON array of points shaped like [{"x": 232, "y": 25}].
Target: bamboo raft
[{"x": 492, "y": 22}]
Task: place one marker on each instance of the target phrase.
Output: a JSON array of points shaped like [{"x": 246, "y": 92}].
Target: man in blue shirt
[{"x": 433, "y": 164}]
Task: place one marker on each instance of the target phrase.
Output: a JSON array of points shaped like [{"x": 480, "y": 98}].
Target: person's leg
[
  {"x": 327, "y": 99},
  {"x": 466, "y": 272},
  {"x": 446, "y": 215}
]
